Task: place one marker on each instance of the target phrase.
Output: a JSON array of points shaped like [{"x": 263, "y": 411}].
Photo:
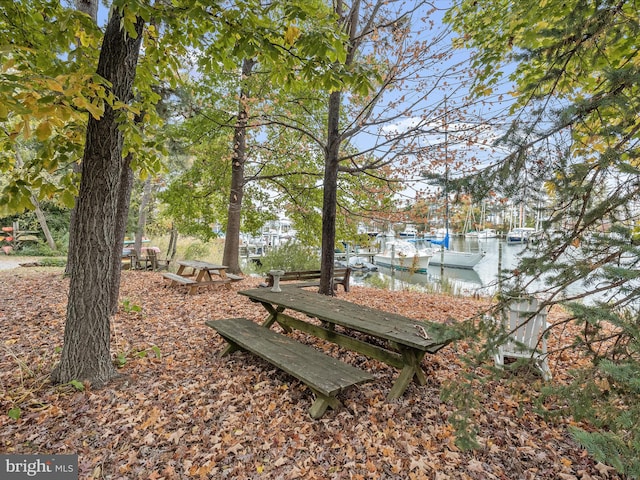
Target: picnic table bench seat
[
  {"x": 174, "y": 277},
  {"x": 324, "y": 375},
  {"x": 341, "y": 276}
]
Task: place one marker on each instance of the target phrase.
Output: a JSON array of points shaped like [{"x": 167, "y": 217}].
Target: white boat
[
  {"x": 521, "y": 235},
  {"x": 487, "y": 233},
  {"x": 455, "y": 259},
  {"x": 402, "y": 255},
  {"x": 409, "y": 232},
  {"x": 361, "y": 263},
  {"x": 482, "y": 234},
  {"x": 441, "y": 255}
]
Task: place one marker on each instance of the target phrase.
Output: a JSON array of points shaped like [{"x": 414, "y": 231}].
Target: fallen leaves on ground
[{"x": 178, "y": 410}]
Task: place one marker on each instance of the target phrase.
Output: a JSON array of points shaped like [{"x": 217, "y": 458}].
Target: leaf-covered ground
[{"x": 178, "y": 410}]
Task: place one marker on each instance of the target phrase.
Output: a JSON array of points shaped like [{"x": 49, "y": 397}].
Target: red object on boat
[
  {"x": 9, "y": 239},
  {"x": 7, "y": 229}
]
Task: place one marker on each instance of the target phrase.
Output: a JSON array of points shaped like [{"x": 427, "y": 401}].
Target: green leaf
[
  {"x": 77, "y": 385},
  {"x": 14, "y": 413}
]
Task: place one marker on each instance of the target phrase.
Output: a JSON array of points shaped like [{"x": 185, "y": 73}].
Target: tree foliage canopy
[{"x": 575, "y": 135}]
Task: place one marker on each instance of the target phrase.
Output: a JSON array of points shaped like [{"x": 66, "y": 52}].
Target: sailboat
[
  {"x": 451, "y": 258},
  {"x": 441, "y": 254},
  {"x": 399, "y": 254},
  {"x": 483, "y": 233},
  {"x": 521, "y": 234}
]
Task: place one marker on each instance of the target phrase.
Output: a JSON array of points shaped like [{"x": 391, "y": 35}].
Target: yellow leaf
[
  {"x": 291, "y": 35},
  {"x": 43, "y": 131},
  {"x": 25, "y": 127},
  {"x": 94, "y": 110},
  {"x": 83, "y": 37},
  {"x": 80, "y": 102},
  {"x": 54, "y": 85}
]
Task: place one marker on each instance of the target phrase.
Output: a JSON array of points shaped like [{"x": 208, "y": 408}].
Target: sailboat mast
[{"x": 446, "y": 173}]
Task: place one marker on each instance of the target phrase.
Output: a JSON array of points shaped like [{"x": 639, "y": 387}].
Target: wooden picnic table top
[
  {"x": 389, "y": 326},
  {"x": 200, "y": 265}
]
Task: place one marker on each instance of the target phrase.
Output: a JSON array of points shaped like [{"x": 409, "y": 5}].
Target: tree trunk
[
  {"x": 330, "y": 195},
  {"x": 142, "y": 215},
  {"x": 90, "y": 7},
  {"x": 122, "y": 213},
  {"x": 42, "y": 219},
  {"x": 173, "y": 243},
  {"x": 86, "y": 350},
  {"x": 232, "y": 235}
]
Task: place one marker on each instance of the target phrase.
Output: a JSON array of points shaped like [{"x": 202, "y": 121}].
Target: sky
[{"x": 481, "y": 117}]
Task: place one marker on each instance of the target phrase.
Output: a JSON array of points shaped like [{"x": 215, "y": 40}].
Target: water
[{"x": 482, "y": 279}]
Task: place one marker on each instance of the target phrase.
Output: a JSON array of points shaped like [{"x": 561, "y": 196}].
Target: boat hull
[
  {"x": 521, "y": 235},
  {"x": 452, "y": 259},
  {"x": 416, "y": 263}
]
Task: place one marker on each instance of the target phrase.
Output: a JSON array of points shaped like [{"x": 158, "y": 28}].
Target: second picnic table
[
  {"x": 406, "y": 340},
  {"x": 196, "y": 273}
]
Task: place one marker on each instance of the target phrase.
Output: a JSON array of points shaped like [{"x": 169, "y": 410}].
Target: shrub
[
  {"x": 38, "y": 250},
  {"x": 196, "y": 250},
  {"x": 291, "y": 256}
]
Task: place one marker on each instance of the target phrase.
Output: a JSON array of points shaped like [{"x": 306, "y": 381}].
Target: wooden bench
[
  {"x": 234, "y": 278},
  {"x": 341, "y": 276},
  {"x": 325, "y": 375}
]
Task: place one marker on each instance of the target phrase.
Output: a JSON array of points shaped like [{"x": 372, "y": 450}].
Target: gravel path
[{"x": 8, "y": 262}]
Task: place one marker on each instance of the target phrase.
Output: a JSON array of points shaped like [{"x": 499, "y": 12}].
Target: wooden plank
[
  {"x": 234, "y": 278},
  {"x": 324, "y": 374},
  {"x": 217, "y": 281},
  {"x": 178, "y": 278}
]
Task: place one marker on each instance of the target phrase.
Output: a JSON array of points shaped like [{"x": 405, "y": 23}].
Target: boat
[
  {"x": 440, "y": 253},
  {"x": 454, "y": 259},
  {"x": 402, "y": 255},
  {"x": 409, "y": 232},
  {"x": 521, "y": 235},
  {"x": 362, "y": 264},
  {"x": 487, "y": 233},
  {"x": 442, "y": 256},
  {"x": 483, "y": 233}
]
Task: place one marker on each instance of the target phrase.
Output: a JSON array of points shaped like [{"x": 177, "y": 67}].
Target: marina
[{"x": 481, "y": 279}]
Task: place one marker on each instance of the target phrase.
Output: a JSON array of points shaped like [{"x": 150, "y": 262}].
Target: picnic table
[
  {"x": 196, "y": 273},
  {"x": 394, "y": 339}
]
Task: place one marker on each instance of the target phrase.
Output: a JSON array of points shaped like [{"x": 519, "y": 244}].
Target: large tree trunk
[
  {"x": 86, "y": 353},
  {"x": 90, "y": 7},
  {"x": 232, "y": 235},
  {"x": 330, "y": 195}
]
